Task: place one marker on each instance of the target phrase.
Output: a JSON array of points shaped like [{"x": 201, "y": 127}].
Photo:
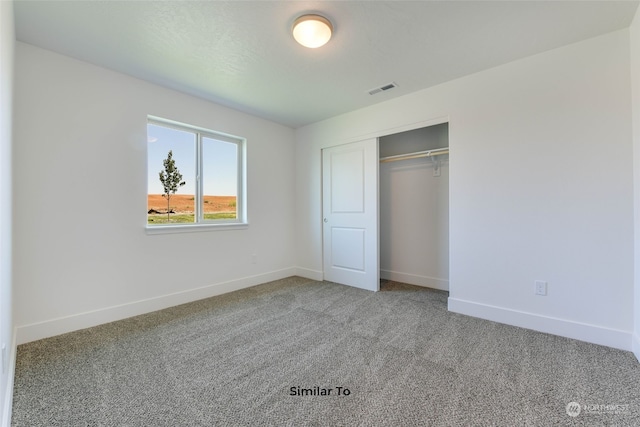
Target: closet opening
[{"x": 414, "y": 207}]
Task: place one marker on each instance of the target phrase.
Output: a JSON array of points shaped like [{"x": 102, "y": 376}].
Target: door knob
[{"x": 326, "y": 220}]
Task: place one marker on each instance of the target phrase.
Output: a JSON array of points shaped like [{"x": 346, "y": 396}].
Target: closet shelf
[{"x": 416, "y": 155}]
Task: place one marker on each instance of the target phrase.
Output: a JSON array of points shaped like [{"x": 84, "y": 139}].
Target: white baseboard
[
  {"x": 635, "y": 345},
  {"x": 49, "y": 328},
  {"x": 307, "y": 273},
  {"x": 414, "y": 279},
  {"x": 5, "y": 421},
  {"x": 565, "y": 328}
]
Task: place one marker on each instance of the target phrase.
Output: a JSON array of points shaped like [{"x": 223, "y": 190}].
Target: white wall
[
  {"x": 540, "y": 187},
  {"x": 82, "y": 256},
  {"x": 7, "y": 43},
  {"x": 414, "y": 210},
  {"x": 635, "y": 84}
]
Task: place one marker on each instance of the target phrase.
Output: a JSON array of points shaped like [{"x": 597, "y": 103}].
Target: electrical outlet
[
  {"x": 5, "y": 359},
  {"x": 541, "y": 288}
]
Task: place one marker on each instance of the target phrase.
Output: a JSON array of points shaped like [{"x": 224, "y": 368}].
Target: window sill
[{"x": 194, "y": 228}]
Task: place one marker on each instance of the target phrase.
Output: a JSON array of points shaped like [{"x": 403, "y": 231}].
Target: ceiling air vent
[{"x": 383, "y": 88}]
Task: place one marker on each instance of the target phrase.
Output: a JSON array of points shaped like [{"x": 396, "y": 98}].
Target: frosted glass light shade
[{"x": 312, "y": 30}]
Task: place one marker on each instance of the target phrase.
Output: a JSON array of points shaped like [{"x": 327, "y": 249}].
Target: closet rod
[{"x": 416, "y": 155}]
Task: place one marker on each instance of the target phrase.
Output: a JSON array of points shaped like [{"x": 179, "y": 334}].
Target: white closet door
[{"x": 350, "y": 214}]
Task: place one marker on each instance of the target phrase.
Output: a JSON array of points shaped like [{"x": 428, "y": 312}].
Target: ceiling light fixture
[{"x": 312, "y": 30}]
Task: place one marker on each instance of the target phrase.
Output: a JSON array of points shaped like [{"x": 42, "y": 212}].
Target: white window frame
[{"x": 200, "y": 224}]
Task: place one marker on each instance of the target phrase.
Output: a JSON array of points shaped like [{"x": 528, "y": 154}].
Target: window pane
[
  {"x": 219, "y": 179},
  {"x": 178, "y": 207}
]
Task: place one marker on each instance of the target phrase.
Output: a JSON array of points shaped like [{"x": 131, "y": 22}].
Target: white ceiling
[{"x": 241, "y": 53}]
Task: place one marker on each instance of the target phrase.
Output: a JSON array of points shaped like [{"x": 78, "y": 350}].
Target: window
[{"x": 195, "y": 176}]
